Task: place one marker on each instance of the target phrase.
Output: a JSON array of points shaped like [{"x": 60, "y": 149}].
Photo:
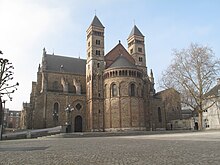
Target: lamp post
[
  {"x": 68, "y": 110},
  {"x": 55, "y": 117}
]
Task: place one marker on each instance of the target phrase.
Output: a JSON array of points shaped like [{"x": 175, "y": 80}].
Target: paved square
[{"x": 180, "y": 148}]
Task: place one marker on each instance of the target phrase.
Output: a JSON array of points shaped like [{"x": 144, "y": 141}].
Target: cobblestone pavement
[{"x": 202, "y": 148}]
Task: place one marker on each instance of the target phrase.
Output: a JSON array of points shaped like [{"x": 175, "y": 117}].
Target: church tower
[
  {"x": 94, "y": 80},
  {"x": 136, "y": 48}
]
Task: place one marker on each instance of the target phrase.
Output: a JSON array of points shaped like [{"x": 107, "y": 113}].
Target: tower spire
[{"x": 136, "y": 48}]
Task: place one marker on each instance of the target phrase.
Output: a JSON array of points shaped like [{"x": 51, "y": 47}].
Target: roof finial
[
  {"x": 119, "y": 41},
  {"x": 44, "y": 51}
]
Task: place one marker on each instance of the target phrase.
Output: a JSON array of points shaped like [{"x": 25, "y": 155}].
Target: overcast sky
[{"x": 27, "y": 26}]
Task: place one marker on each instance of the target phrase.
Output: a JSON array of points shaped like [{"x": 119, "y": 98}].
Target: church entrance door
[{"x": 78, "y": 124}]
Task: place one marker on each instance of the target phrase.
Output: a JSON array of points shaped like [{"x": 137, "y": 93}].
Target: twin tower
[{"x": 117, "y": 85}]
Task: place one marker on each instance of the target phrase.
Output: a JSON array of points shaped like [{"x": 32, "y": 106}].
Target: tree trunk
[
  {"x": 200, "y": 123},
  {"x": 1, "y": 118}
]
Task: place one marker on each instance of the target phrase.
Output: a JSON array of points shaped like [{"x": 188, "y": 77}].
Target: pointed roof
[
  {"x": 122, "y": 61},
  {"x": 118, "y": 50},
  {"x": 214, "y": 91},
  {"x": 135, "y": 31},
  {"x": 96, "y": 22}
]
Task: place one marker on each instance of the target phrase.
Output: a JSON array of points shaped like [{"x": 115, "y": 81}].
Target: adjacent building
[
  {"x": 11, "y": 119},
  {"x": 211, "y": 116}
]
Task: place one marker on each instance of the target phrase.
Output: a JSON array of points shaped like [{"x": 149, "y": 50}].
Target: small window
[
  {"x": 55, "y": 111},
  {"x": 98, "y": 65},
  {"x": 159, "y": 115},
  {"x": 97, "y": 42},
  {"x": 139, "y": 49},
  {"x": 131, "y": 51},
  {"x": 78, "y": 106},
  {"x": 55, "y": 85},
  {"x": 132, "y": 89},
  {"x": 140, "y": 59},
  {"x": 114, "y": 90},
  {"x": 88, "y": 54},
  {"x": 88, "y": 44},
  {"x": 97, "y": 52}
]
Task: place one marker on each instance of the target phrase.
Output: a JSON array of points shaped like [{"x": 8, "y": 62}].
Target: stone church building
[{"x": 104, "y": 92}]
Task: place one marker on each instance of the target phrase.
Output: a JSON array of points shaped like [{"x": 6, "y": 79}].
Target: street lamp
[
  {"x": 55, "y": 117},
  {"x": 68, "y": 110}
]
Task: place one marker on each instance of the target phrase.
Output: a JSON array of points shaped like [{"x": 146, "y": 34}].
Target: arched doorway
[
  {"x": 78, "y": 124},
  {"x": 196, "y": 126}
]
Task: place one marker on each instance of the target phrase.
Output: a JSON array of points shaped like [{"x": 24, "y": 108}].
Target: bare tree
[
  {"x": 192, "y": 73},
  {"x": 6, "y": 87}
]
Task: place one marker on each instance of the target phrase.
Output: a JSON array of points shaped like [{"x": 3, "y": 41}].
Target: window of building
[
  {"x": 97, "y": 52},
  {"x": 159, "y": 115},
  {"x": 78, "y": 106},
  {"x": 55, "y": 111},
  {"x": 140, "y": 59},
  {"x": 132, "y": 90},
  {"x": 88, "y": 44},
  {"x": 55, "y": 85},
  {"x": 98, "y": 33},
  {"x": 139, "y": 49},
  {"x": 114, "y": 90},
  {"x": 98, "y": 64},
  {"x": 97, "y": 42},
  {"x": 131, "y": 51},
  {"x": 88, "y": 54}
]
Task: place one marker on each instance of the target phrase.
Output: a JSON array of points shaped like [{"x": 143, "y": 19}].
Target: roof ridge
[{"x": 53, "y": 55}]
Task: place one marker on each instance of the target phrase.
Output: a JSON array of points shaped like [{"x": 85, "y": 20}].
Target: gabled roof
[
  {"x": 65, "y": 64},
  {"x": 214, "y": 91},
  {"x": 121, "y": 62},
  {"x": 96, "y": 22},
  {"x": 135, "y": 31},
  {"x": 117, "y": 51}
]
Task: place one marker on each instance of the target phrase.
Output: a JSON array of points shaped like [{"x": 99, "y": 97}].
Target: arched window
[
  {"x": 55, "y": 111},
  {"x": 159, "y": 115},
  {"x": 114, "y": 90},
  {"x": 132, "y": 90},
  {"x": 55, "y": 86}
]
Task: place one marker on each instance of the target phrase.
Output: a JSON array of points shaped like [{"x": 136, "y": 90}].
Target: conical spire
[
  {"x": 135, "y": 31},
  {"x": 96, "y": 22}
]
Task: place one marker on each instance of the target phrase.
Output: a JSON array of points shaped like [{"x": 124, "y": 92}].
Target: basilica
[{"x": 110, "y": 91}]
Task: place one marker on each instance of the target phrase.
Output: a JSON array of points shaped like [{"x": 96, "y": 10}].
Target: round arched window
[
  {"x": 78, "y": 106},
  {"x": 114, "y": 90}
]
